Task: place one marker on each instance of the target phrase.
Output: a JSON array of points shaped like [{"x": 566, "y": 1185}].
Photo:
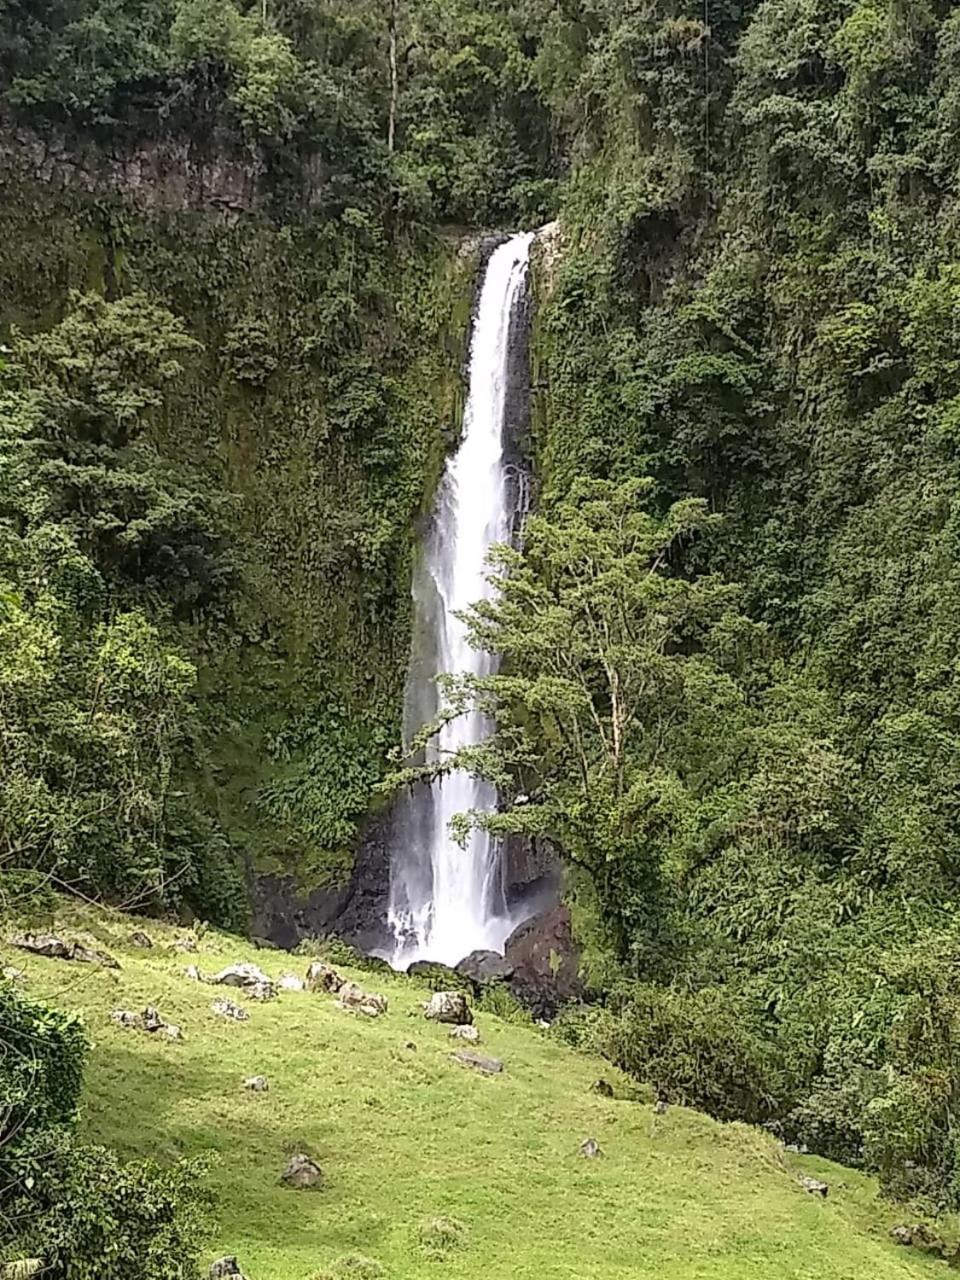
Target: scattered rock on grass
[
  {"x": 149, "y": 1020},
  {"x": 140, "y": 939},
  {"x": 486, "y": 1066},
  {"x": 227, "y": 1009},
  {"x": 56, "y": 948},
  {"x": 261, "y": 991},
  {"x": 12, "y": 974},
  {"x": 602, "y": 1088},
  {"x": 193, "y": 973},
  {"x": 660, "y": 1107},
  {"x": 814, "y": 1186},
  {"x": 353, "y": 1267},
  {"x": 590, "y": 1149},
  {"x": 919, "y": 1235},
  {"x": 466, "y": 1032},
  {"x": 224, "y": 1267},
  {"x": 290, "y": 982},
  {"x": 240, "y": 975},
  {"x": 186, "y": 943},
  {"x": 410, "y": 1046},
  {"x": 448, "y": 1006},
  {"x": 354, "y": 998},
  {"x": 256, "y": 1084},
  {"x": 302, "y": 1172},
  {"x": 323, "y": 977}
]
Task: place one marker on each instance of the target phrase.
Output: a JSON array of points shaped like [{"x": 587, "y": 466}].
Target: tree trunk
[{"x": 394, "y": 78}]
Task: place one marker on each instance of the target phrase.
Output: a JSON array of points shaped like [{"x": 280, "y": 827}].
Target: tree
[{"x": 607, "y": 656}]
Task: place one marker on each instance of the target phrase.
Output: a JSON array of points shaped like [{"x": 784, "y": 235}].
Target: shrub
[
  {"x": 500, "y": 1001},
  {"x": 353, "y": 1267},
  {"x": 696, "y": 1049},
  {"x": 82, "y": 1211},
  {"x": 440, "y": 1236}
]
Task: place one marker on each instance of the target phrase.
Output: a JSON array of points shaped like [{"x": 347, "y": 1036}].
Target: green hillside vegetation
[
  {"x": 408, "y": 1138},
  {"x": 730, "y": 690}
]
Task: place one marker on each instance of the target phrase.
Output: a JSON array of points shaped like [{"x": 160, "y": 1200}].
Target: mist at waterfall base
[{"x": 448, "y": 899}]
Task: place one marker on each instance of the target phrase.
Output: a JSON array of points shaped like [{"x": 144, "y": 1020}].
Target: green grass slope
[{"x": 407, "y": 1135}]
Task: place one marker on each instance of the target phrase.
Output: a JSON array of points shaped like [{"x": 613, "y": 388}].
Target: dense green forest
[{"x": 740, "y": 722}]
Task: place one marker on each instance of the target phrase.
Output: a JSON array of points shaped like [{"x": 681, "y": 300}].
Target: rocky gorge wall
[{"x": 319, "y": 410}]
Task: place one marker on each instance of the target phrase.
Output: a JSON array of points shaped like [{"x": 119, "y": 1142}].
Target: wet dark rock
[
  {"x": 486, "y": 1066},
  {"x": 545, "y": 961},
  {"x": 483, "y": 968},
  {"x": 284, "y": 916},
  {"x": 302, "y": 1173},
  {"x": 448, "y": 1006},
  {"x": 532, "y": 874},
  {"x": 56, "y": 948}
]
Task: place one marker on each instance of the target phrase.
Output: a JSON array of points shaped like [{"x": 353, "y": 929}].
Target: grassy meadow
[{"x": 407, "y": 1135}]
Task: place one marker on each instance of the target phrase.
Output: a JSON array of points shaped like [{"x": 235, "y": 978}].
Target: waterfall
[{"x": 447, "y": 900}]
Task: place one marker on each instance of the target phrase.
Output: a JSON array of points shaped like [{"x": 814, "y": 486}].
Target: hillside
[{"x": 405, "y": 1135}]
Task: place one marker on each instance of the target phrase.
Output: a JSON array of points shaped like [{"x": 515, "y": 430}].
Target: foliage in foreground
[{"x": 84, "y": 1213}]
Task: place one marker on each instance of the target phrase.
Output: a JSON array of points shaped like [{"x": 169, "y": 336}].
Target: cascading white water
[{"x": 447, "y": 900}]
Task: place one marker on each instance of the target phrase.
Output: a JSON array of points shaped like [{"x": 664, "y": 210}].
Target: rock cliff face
[
  {"x": 170, "y": 176},
  {"x": 545, "y": 961}
]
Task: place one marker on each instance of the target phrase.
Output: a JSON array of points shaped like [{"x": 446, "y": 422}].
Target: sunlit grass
[{"x": 408, "y": 1136}]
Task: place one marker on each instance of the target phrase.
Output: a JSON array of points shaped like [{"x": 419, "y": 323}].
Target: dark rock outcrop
[
  {"x": 484, "y": 968},
  {"x": 531, "y": 874},
  {"x": 284, "y": 915},
  {"x": 545, "y": 962}
]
